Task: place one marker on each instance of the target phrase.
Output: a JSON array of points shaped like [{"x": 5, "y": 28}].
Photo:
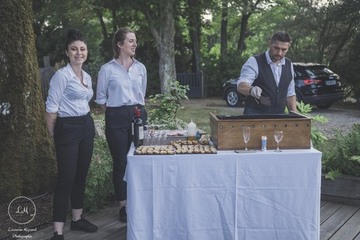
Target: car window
[
  {"x": 328, "y": 71},
  {"x": 318, "y": 71},
  {"x": 312, "y": 71},
  {"x": 299, "y": 72}
]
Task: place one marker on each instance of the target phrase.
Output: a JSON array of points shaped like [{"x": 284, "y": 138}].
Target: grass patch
[{"x": 198, "y": 111}]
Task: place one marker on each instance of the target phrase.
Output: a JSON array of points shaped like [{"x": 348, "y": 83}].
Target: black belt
[
  {"x": 126, "y": 106},
  {"x": 74, "y": 118}
]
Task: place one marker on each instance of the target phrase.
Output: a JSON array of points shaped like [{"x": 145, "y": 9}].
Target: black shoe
[
  {"x": 83, "y": 225},
  {"x": 57, "y": 237},
  {"x": 123, "y": 215}
]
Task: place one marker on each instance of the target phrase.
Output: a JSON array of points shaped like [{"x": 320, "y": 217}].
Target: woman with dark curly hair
[{"x": 70, "y": 124}]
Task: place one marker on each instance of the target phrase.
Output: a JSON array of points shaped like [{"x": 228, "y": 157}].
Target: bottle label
[{"x": 141, "y": 132}]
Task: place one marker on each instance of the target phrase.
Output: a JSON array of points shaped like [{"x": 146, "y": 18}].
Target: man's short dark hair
[{"x": 281, "y": 37}]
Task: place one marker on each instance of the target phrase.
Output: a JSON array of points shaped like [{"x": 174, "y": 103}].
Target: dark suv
[{"x": 315, "y": 84}]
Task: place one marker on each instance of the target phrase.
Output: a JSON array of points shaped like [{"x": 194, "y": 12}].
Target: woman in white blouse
[
  {"x": 121, "y": 86},
  {"x": 70, "y": 124}
]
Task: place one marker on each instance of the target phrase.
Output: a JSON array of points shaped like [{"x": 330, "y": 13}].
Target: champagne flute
[
  {"x": 151, "y": 135},
  {"x": 278, "y": 136},
  {"x": 246, "y": 135}
]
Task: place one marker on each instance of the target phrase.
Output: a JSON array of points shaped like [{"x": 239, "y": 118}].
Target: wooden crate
[{"x": 226, "y": 131}]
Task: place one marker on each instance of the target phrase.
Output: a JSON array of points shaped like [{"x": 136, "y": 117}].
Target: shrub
[
  {"x": 342, "y": 155},
  {"x": 317, "y": 137},
  {"x": 165, "y": 106},
  {"x": 99, "y": 188}
]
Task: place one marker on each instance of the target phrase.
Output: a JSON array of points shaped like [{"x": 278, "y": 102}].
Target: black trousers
[
  {"x": 118, "y": 134},
  {"x": 74, "y": 143}
]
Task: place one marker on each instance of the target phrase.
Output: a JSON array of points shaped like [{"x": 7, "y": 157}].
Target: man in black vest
[{"x": 268, "y": 79}]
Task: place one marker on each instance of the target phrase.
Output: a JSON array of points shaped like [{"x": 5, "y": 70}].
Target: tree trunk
[
  {"x": 224, "y": 24},
  {"x": 243, "y": 31},
  {"x": 195, "y": 32},
  {"x": 163, "y": 31},
  {"x": 27, "y": 163}
]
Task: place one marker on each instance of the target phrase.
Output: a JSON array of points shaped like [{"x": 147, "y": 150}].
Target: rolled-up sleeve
[
  {"x": 249, "y": 71},
  {"x": 144, "y": 82},
  {"x": 57, "y": 86},
  {"x": 291, "y": 89},
  {"x": 102, "y": 85}
]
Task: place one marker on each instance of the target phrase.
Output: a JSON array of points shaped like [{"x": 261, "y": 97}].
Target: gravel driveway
[{"x": 340, "y": 118}]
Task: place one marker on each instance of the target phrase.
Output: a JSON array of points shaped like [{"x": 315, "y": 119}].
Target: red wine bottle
[{"x": 138, "y": 128}]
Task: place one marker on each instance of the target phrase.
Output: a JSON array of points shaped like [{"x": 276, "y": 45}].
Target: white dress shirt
[
  {"x": 250, "y": 71},
  {"x": 118, "y": 87},
  {"x": 67, "y": 95}
]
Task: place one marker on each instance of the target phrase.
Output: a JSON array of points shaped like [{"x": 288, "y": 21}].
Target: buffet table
[{"x": 228, "y": 195}]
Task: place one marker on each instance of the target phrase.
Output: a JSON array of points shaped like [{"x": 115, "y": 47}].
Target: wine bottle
[{"x": 138, "y": 128}]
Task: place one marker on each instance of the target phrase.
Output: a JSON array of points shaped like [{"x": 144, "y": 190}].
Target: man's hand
[{"x": 255, "y": 92}]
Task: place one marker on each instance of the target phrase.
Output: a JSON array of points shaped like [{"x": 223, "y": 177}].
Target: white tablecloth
[{"x": 254, "y": 196}]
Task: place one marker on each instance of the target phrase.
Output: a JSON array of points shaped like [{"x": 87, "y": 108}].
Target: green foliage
[
  {"x": 220, "y": 69},
  {"x": 333, "y": 174},
  {"x": 99, "y": 188},
  {"x": 317, "y": 136},
  {"x": 327, "y": 33},
  {"x": 344, "y": 153},
  {"x": 355, "y": 158},
  {"x": 164, "y": 107}
]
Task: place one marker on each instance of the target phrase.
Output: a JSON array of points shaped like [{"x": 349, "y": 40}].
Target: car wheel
[
  {"x": 324, "y": 106},
  {"x": 232, "y": 98}
]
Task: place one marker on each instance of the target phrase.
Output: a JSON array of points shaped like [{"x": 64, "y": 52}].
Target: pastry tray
[{"x": 177, "y": 147}]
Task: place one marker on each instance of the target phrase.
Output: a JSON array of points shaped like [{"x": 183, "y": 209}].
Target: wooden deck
[{"x": 337, "y": 221}]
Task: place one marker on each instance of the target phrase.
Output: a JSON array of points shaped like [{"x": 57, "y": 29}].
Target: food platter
[
  {"x": 178, "y": 147},
  {"x": 154, "y": 150},
  {"x": 193, "y": 147}
]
